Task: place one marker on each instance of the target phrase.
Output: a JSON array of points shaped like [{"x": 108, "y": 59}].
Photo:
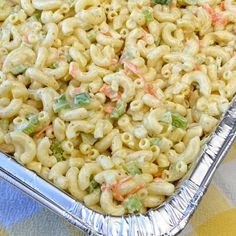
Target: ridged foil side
[{"x": 168, "y": 219}]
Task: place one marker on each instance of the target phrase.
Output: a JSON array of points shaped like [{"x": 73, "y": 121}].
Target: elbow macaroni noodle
[{"x": 112, "y": 100}]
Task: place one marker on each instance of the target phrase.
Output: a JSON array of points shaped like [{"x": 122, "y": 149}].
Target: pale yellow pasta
[
  {"x": 161, "y": 188},
  {"x": 17, "y": 57},
  {"x": 166, "y": 16},
  {"x": 47, "y": 96},
  {"x": 187, "y": 60},
  {"x": 217, "y": 51},
  {"x": 153, "y": 201},
  {"x": 73, "y": 186},
  {"x": 43, "y": 154},
  {"x": 25, "y": 148},
  {"x": 191, "y": 151},
  {"x": 117, "y": 80},
  {"x": 204, "y": 20},
  {"x": 201, "y": 78},
  {"x": 59, "y": 169},
  {"x": 167, "y": 36},
  {"x": 75, "y": 114},
  {"x": 125, "y": 124},
  {"x": 217, "y": 37},
  {"x": 109, "y": 206},
  {"x": 151, "y": 101},
  {"x": 61, "y": 182},
  {"x": 207, "y": 122},
  {"x": 144, "y": 155},
  {"x": 11, "y": 109},
  {"x": 83, "y": 76},
  {"x": 35, "y": 166},
  {"x": 27, "y": 7},
  {"x": 90, "y": 17},
  {"x": 37, "y": 75},
  {"x": 59, "y": 72},
  {"x": 14, "y": 88},
  {"x": 77, "y": 126},
  {"x": 176, "y": 171},
  {"x": 107, "y": 40},
  {"x": 46, "y": 5},
  {"x": 230, "y": 6},
  {"x": 149, "y": 168},
  {"x": 11, "y": 45},
  {"x": 105, "y": 162},
  {"x": 59, "y": 129},
  {"x": 106, "y": 141},
  {"x": 85, "y": 148},
  {"x": 102, "y": 128},
  {"x": 102, "y": 57},
  {"x": 5, "y": 11},
  {"x": 179, "y": 147},
  {"x": 107, "y": 176},
  {"x": 156, "y": 54},
  {"x": 151, "y": 122},
  {"x": 86, "y": 172},
  {"x": 92, "y": 198}
]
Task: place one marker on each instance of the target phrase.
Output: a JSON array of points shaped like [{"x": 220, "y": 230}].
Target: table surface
[{"x": 216, "y": 215}]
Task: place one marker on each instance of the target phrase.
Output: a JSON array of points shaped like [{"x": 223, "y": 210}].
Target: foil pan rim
[{"x": 168, "y": 219}]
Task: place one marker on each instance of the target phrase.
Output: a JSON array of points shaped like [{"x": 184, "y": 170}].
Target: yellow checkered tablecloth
[{"x": 215, "y": 216}]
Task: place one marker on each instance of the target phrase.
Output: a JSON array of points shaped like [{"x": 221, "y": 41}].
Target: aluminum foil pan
[{"x": 168, "y": 219}]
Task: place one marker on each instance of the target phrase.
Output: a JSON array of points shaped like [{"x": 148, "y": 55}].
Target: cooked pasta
[{"x": 112, "y": 100}]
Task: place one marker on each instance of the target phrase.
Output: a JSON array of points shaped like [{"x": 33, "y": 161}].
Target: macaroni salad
[{"x": 111, "y": 100}]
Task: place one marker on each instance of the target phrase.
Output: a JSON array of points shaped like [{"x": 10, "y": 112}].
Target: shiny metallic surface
[{"x": 168, "y": 219}]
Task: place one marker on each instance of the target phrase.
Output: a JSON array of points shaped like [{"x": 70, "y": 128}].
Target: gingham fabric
[{"x": 215, "y": 216}]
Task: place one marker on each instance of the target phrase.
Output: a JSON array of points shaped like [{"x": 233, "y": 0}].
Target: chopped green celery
[
  {"x": 82, "y": 99},
  {"x": 162, "y": 2},
  {"x": 57, "y": 150},
  {"x": 178, "y": 121},
  {"x": 2, "y": 3},
  {"x": 93, "y": 185},
  {"x": 118, "y": 111},
  {"x": 155, "y": 141},
  {"x": 91, "y": 35},
  {"x": 60, "y": 103},
  {"x": 131, "y": 168},
  {"x": 174, "y": 118},
  {"x": 19, "y": 69},
  {"x": 148, "y": 15},
  {"x": 133, "y": 203},
  {"x": 31, "y": 125},
  {"x": 28, "y": 128}
]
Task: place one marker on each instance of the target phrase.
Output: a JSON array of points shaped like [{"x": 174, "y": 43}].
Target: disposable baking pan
[{"x": 167, "y": 219}]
